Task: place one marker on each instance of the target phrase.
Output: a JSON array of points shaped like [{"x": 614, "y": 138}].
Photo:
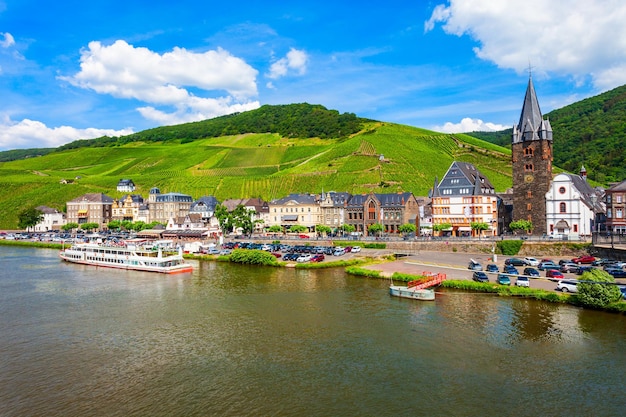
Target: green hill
[
  {"x": 266, "y": 165},
  {"x": 591, "y": 132}
]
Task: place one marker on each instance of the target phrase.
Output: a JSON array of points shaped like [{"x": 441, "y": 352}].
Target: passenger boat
[
  {"x": 418, "y": 289},
  {"x": 155, "y": 257}
]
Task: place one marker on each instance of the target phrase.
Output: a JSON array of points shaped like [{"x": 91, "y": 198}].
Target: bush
[
  {"x": 362, "y": 272},
  {"x": 253, "y": 257},
  {"x": 375, "y": 245},
  {"x": 597, "y": 289},
  {"x": 509, "y": 247}
]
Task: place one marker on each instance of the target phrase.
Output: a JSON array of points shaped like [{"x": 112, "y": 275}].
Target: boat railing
[{"x": 431, "y": 279}]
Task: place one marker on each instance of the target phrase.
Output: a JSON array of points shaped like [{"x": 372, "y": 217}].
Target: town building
[
  {"x": 332, "y": 205},
  {"x": 531, "y": 155},
  {"x": 170, "y": 205},
  {"x": 127, "y": 208},
  {"x": 295, "y": 209},
  {"x": 125, "y": 186},
  {"x": 571, "y": 207},
  {"x": 52, "y": 219},
  {"x": 90, "y": 208},
  {"x": 389, "y": 210},
  {"x": 615, "y": 199},
  {"x": 205, "y": 207},
  {"x": 463, "y": 197}
]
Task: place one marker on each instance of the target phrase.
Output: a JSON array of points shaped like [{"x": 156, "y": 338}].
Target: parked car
[
  {"x": 317, "y": 258},
  {"x": 545, "y": 265},
  {"x": 531, "y": 272},
  {"x": 492, "y": 268},
  {"x": 356, "y": 249},
  {"x": 339, "y": 252},
  {"x": 276, "y": 254},
  {"x": 474, "y": 265},
  {"x": 510, "y": 269},
  {"x": 522, "y": 282},
  {"x": 554, "y": 274},
  {"x": 304, "y": 258},
  {"x": 531, "y": 261},
  {"x": 582, "y": 269},
  {"x": 291, "y": 257},
  {"x": 569, "y": 267},
  {"x": 616, "y": 272},
  {"x": 480, "y": 276},
  {"x": 515, "y": 262},
  {"x": 623, "y": 290},
  {"x": 567, "y": 286},
  {"x": 503, "y": 279},
  {"x": 587, "y": 259}
]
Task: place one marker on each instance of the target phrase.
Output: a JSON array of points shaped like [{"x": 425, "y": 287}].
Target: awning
[
  {"x": 82, "y": 211},
  {"x": 290, "y": 218},
  {"x": 464, "y": 228}
]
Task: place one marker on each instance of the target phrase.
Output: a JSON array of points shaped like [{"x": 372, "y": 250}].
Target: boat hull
[
  {"x": 120, "y": 258},
  {"x": 414, "y": 294}
]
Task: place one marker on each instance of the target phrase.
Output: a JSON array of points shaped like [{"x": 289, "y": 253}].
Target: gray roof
[
  {"x": 462, "y": 178},
  {"x": 204, "y": 202},
  {"x": 386, "y": 200},
  {"x": 531, "y": 124},
  {"x": 586, "y": 192},
  {"x": 620, "y": 186},
  {"x": 297, "y": 198},
  {"x": 93, "y": 198},
  {"x": 174, "y": 197}
]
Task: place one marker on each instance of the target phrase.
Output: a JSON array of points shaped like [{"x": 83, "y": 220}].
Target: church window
[
  {"x": 528, "y": 152},
  {"x": 562, "y": 208},
  {"x": 529, "y": 206},
  {"x": 529, "y": 167},
  {"x": 575, "y": 228},
  {"x": 562, "y": 190},
  {"x": 529, "y": 194}
]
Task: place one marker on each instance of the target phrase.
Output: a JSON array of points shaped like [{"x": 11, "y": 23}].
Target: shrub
[
  {"x": 596, "y": 289},
  {"x": 509, "y": 247},
  {"x": 375, "y": 245},
  {"x": 253, "y": 257}
]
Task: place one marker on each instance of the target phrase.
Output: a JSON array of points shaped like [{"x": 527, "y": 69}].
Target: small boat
[
  {"x": 147, "y": 257},
  {"x": 418, "y": 289}
]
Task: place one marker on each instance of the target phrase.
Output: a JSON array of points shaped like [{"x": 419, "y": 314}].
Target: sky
[{"x": 84, "y": 69}]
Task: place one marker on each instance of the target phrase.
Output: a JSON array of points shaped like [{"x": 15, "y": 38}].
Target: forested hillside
[{"x": 591, "y": 132}]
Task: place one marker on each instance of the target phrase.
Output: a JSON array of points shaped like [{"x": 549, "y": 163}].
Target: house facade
[
  {"x": 170, "y": 205},
  {"x": 571, "y": 207},
  {"x": 389, "y": 210},
  {"x": 125, "y": 186},
  {"x": 127, "y": 208},
  {"x": 90, "y": 208},
  {"x": 53, "y": 219},
  {"x": 332, "y": 207},
  {"x": 615, "y": 200},
  {"x": 295, "y": 209},
  {"x": 465, "y": 196}
]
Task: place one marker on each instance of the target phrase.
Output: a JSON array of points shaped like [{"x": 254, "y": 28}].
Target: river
[{"x": 230, "y": 340}]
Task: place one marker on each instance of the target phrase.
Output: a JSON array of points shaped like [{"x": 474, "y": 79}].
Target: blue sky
[{"x": 77, "y": 69}]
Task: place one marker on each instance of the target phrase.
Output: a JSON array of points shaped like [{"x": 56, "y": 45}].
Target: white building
[
  {"x": 570, "y": 207},
  {"x": 53, "y": 219}
]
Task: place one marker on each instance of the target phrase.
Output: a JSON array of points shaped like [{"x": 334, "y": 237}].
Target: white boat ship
[
  {"x": 418, "y": 289},
  {"x": 155, "y": 257}
]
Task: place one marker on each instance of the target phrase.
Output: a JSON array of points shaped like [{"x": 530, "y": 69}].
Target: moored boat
[
  {"x": 155, "y": 258},
  {"x": 418, "y": 289}
]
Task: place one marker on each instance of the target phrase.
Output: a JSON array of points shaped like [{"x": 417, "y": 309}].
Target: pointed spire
[
  {"x": 436, "y": 188},
  {"x": 530, "y": 110}
]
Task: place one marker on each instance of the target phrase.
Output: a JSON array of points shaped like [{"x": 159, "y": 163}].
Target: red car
[
  {"x": 317, "y": 258},
  {"x": 554, "y": 273},
  {"x": 584, "y": 259}
]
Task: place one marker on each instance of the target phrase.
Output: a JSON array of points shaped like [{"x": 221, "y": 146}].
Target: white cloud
[
  {"x": 469, "y": 125},
  {"x": 295, "y": 60},
  {"x": 34, "y": 134},
  {"x": 124, "y": 71},
  {"x": 7, "y": 41},
  {"x": 579, "y": 38}
]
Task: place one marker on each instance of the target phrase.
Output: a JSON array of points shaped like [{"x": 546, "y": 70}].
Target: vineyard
[{"x": 384, "y": 158}]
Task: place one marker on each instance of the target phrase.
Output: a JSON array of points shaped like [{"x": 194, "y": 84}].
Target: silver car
[{"x": 567, "y": 286}]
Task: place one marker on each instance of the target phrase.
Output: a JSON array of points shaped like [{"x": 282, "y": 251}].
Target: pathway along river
[{"x": 251, "y": 341}]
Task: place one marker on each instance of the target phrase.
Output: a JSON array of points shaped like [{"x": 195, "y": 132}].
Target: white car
[
  {"x": 522, "y": 281},
  {"x": 356, "y": 249},
  {"x": 567, "y": 286},
  {"x": 531, "y": 261},
  {"x": 304, "y": 258}
]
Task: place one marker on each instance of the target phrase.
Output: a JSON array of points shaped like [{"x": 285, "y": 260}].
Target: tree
[
  {"x": 322, "y": 229},
  {"x": 407, "y": 228},
  {"x": 29, "y": 217},
  {"x": 375, "y": 229},
  {"x": 89, "y": 226},
  {"x": 296, "y": 228},
  {"x": 596, "y": 289},
  {"x": 70, "y": 226},
  {"x": 242, "y": 218},
  {"x": 441, "y": 226},
  {"x": 348, "y": 228},
  {"x": 525, "y": 225},
  {"x": 223, "y": 218},
  {"x": 275, "y": 229},
  {"x": 114, "y": 225},
  {"x": 479, "y": 227}
]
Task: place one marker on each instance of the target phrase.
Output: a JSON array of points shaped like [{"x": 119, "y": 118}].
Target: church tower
[{"x": 531, "y": 154}]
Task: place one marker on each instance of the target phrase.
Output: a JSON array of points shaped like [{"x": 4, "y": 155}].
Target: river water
[{"x": 253, "y": 341}]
